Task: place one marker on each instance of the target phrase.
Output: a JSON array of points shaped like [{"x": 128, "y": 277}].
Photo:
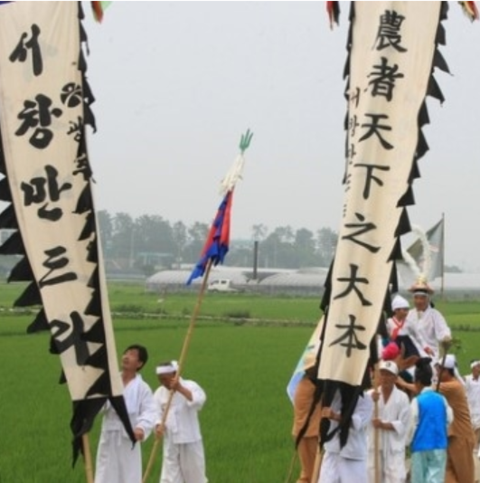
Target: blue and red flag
[{"x": 218, "y": 240}]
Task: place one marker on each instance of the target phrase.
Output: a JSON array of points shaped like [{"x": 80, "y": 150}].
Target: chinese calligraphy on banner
[{"x": 392, "y": 51}]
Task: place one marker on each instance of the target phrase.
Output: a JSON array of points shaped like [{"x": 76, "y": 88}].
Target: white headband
[
  {"x": 167, "y": 368},
  {"x": 421, "y": 293},
  {"x": 474, "y": 363}
]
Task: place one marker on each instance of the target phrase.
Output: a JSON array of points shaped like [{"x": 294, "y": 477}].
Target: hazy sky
[{"x": 178, "y": 82}]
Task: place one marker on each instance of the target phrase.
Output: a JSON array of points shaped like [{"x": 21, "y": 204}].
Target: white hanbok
[
  {"x": 348, "y": 464},
  {"x": 432, "y": 327},
  {"x": 118, "y": 460},
  {"x": 183, "y": 453},
  {"x": 472, "y": 387},
  {"x": 391, "y": 443}
]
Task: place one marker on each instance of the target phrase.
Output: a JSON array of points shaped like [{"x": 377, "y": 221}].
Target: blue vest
[{"x": 431, "y": 432}]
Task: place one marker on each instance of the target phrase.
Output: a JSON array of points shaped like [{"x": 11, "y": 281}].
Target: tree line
[{"x": 148, "y": 242}]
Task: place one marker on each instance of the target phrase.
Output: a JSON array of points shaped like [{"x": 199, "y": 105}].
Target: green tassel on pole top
[
  {"x": 245, "y": 141},
  {"x": 235, "y": 172}
]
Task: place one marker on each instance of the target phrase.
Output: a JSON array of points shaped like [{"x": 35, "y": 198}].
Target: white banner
[
  {"x": 42, "y": 116},
  {"x": 393, "y": 44}
]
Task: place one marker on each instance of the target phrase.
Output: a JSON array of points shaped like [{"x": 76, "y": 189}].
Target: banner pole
[
  {"x": 376, "y": 442},
  {"x": 181, "y": 361},
  {"x": 443, "y": 257},
  {"x": 317, "y": 466},
  {"x": 87, "y": 458}
]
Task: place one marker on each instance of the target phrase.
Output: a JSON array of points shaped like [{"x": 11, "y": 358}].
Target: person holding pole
[
  {"x": 348, "y": 463},
  {"x": 304, "y": 415},
  {"x": 183, "y": 453},
  {"x": 461, "y": 437},
  {"x": 392, "y": 424},
  {"x": 428, "y": 428},
  {"x": 117, "y": 460},
  {"x": 472, "y": 386}
]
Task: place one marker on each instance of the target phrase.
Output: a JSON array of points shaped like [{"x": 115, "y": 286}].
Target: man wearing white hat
[
  {"x": 472, "y": 386},
  {"x": 307, "y": 445},
  {"x": 430, "y": 322},
  {"x": 392, "y": 424},
  {"x": 461, "y": 438},
  {"x": 183, "y": 454}
]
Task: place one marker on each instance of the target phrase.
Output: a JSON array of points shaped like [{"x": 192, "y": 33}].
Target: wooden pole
[
  {"x": 87, "y": 458},
  {"x": 317, "y": 467},
  {"x": 376, "y": 441},
  {"x": 292, "y": 466},
  {"x": 181, "y": 361}
]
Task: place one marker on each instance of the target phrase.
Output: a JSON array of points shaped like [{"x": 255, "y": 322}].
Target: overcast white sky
[{"x": 178, "y": 82}]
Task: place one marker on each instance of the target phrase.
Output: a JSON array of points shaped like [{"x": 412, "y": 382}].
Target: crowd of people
[
  {"x": 175, "y": 421},
  {"x": 426, "y": 413}
]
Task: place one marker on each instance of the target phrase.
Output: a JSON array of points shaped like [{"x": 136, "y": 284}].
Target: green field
[{"x": 243, "y": 365}]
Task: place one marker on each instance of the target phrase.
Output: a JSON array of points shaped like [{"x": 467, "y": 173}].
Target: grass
[{"x": 244, "y": 369}]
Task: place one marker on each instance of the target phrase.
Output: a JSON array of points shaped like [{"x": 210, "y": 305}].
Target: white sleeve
[
  {"x": 413, "y": 422},
  {"x": 148, "y": 412},
  {"x": 449, "y": 412},
  {"x": 198, "y": 396},
  {"x": 362, "y": 414},
  {"x": 440, "y": 326},
  {"x": 402, "y": 422}
]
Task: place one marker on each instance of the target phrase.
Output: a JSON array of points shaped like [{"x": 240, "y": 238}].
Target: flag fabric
[
  {"x": 425, "y": 256},
  {"x": 47, "y": 183},
  {"x": 98, "y": 9},
  {"x": 393, "y": 50},
  {"x": 470, "y": 10},
  {"x": 311, "y": 348},
  {"x": 218, "y": 239}
]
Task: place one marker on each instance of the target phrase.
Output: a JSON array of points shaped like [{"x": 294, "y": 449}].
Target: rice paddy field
[{"x": 243, "y": 352}]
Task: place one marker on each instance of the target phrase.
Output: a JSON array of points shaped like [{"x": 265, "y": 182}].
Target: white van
[{"x": 221, "y": 285}]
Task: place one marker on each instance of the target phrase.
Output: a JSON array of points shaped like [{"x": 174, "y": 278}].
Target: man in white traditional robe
[
  {"x": 347, "y": 464},
  {"x": 118, "y": 460},
  {"x": 392, "y": 425},
  {"x": 472, "y": 386},
  {"x": 183, "y": 453},
  {"x": 429, "y": 321}
]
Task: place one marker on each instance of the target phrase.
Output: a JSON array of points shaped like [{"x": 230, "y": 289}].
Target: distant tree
[
  {"x": 305, "y": 248},
  {"x": 153, "y": 234},
  {"x": 326, "y": 244},
  {"x": 105, "y": 225},
  {"x": 123, "y": 243},
  {"x": 197, "y": 234},
  {"x": 259, "y": 232},
  {"x": 179, "y": 233}
]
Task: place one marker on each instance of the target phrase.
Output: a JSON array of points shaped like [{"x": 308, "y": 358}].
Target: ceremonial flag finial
[{"x": 218, "y": 239}]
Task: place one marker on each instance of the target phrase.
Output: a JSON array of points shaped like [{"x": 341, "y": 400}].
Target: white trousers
[
  {"x": 392, "y": 467},
  {"x": 336, "y": 469},
  {"x": 118, "y": 461},
  {"x": 183, "y": 463}
]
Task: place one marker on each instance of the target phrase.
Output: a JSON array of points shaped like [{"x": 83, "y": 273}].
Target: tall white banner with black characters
[
  {"x": 44, "y": 107},
  {"x": 392, "y": 52}
]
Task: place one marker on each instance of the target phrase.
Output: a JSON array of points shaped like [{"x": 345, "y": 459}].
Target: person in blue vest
[{"x": 430, "y": 417}]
